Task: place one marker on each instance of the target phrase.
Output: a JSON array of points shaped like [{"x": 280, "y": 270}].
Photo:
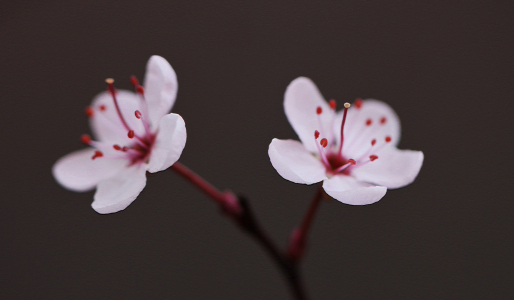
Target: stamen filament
[
  {"x": 320, "y": 151},
  {"x": 345, "y": 166},
  {"x": 319, "y": 111}
]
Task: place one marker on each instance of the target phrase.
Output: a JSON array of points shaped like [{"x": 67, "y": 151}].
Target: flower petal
[
  {"x": 358, "y": 135},
  {"x": 106, "y": 123},
  {"x": 78, "y": 172},
  {"x": 160, "y": 88},
  {"x": 394, "y": 168},
  {"x": 116, "y": 193},
  {"x": 301, "y": 99},
  {"x": 293, "y": 162},
  {"x": 350, "y": 191},
  {"x": 169, "y": 143}
]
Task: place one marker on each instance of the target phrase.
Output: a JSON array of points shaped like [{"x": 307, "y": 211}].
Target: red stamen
[
  {"x": 383, "y": 120},
  {"x": 130, "y": 134},
  {"x": 89, "y": 112},
  {"x": 358, "y": 103},
  {"x": 373, "y": 157},
  {"x": 323, "y": 142},
  {"x": 316, "y": 134},
  {"x": 140, "y": 90},
  {"x": 97, "y": 154},
  {"x": 124, "y": 149},
  {"x": 346, "y": 106},
  {"x": 373, "y": 142},
  {"x": 332, "y": 104},
  {"x": 138, "y": 114},
  {"x": 352, "y": 161},
  {"x": 368, "y": 122},
  {"x": 102, "y": 107},
  {"x": 388, "y": 139},
  {"x": 319, "y": 110},
  {"x": 134, "y": 81},
  {"x": 86, "y": 139},
  {"x": 116, "y": 147}
]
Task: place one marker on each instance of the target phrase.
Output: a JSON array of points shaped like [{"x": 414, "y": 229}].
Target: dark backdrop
[{"x": 446, "y": 67}]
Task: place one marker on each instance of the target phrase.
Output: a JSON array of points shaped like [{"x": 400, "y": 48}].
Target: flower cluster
[{"x": 352, "y": 151}]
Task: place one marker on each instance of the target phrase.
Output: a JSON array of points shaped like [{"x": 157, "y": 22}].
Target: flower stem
[
  {"x": 298, "y": 240},
  {"x": 240, "y": 211}
]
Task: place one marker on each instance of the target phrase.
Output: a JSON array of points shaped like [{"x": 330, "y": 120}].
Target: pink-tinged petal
[
  {"x": 394, "y": 168},
  {"x": 293, "y": 162},
  {"x": 105, "y": 121},
  {"x": 160, "y": 88},
  {"x": 301, "y": 100},
  {"x": 358, "y": 135},
  {"x": 78, "y": 172},
  {"x": 350, "y": 191},
  {"x": 169, "y": 143},
  {"x": 116, "y": 193}
]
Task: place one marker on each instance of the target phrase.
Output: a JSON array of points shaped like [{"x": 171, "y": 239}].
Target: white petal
[
  {"x": 169, "y": 143},
  {"x": 394, "y": 168},
  {"x": 160, "y": 88},
  {"x": 293, "y": 162},
  {"x": 301, "y": 99},
  {"x": 350, "y": 191},
  {"x": 78, "y": 172},
  {"x": 107, "y": 126},
  {"x": 116, "y": 193},
  {"x": 358, "y": 135}
]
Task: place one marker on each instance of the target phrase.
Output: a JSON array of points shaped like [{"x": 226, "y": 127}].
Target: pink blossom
[
  {"x": 352, "y": 151},
  {"x": 134, "y": 133}
]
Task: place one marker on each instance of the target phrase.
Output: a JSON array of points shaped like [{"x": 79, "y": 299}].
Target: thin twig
[{"x": 240, "y": 211}]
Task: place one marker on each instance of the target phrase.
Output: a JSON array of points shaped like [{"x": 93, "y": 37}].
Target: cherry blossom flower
[
  {"x": 352, "y": 151},
  {"x": 134, "y": 133}
]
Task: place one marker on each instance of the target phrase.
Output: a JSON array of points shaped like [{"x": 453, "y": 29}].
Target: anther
[
  {"x": 140, "y": 90},
  {"x": 368, "y": 122},
  {"x": 89, "y": 112},
  {"x": 388, "y": 139},
  {"x": 97, "y": 154},
  {"x": 134, "y": 81},
  {"x": 116, "y": 147},
  {"x": 323, "y": 142},
  {"x": 86, "y": 139},
  {"x": 358, "y": 103},
  {"x": 332, "y": 104},
  {"x": 373, "y": 157},
  {"x": 138, "y": 114},
  {"x": 316, "y": 134},
  {"x": 347, "y": 105},
  {"x": 352, "y": 161},
  {"x": 373, "y": 142},
  {"x": 124, "y": 149},
  {"x": 319, "y": 110},
  {"x": 102, "y": 107},
  {"x": 383, "y": 120},
  {"x": 130, "y": 134}
]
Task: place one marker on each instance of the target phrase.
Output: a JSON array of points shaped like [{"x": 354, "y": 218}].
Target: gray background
[{"x": 446, "y": 67}]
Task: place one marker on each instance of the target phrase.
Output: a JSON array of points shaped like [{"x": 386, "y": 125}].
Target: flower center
[
  {"x": 332, "y": 156},
  {"x": 140, "y": 145}
]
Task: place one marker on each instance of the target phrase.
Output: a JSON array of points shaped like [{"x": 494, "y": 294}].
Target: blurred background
[{"x": 444, "y": 66}]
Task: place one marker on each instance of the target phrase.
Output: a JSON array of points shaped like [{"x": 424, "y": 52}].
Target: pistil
[{"x": 346, "y": 106}]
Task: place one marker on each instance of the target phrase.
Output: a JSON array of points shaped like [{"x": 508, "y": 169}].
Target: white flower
[
  {"x": 355, "y": 156},
  {"x": 134, "y": 134}
]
